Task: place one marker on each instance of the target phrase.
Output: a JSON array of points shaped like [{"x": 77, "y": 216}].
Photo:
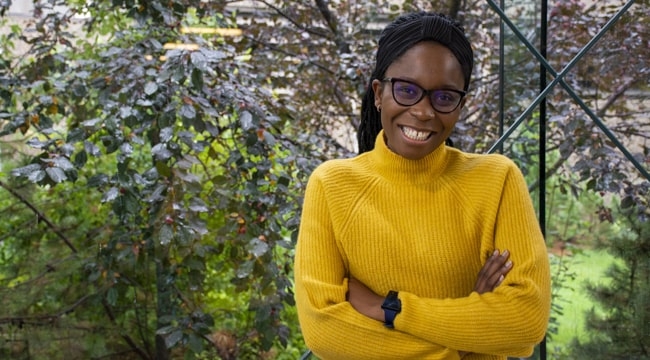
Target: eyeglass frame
[{"x": 425, "y": 93}]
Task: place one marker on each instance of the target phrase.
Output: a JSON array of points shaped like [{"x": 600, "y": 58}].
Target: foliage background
[{"x": 151, "y": 196}]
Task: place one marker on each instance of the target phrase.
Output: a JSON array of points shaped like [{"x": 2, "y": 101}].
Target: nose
[{"x": 423, "y": 110}]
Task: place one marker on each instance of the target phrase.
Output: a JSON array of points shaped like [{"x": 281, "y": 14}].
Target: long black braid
[{"x": 399, "y": 36}]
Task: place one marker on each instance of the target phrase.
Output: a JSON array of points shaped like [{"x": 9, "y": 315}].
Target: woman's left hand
[{"x": 493, "y": 272}]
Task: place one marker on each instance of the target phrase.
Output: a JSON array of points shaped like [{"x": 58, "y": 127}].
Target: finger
[
  {"x": 494, "y": 263},
  {"x": 486, "y": 272},
  {"x": 506, "y": 267},
  {"x": 493, "y": 272},
  {"x": 499, "y": 261},
  {"x": 487, "y": 267},
  {"x": 501, "y": 278},
  {"x": 497, "y": 278}
]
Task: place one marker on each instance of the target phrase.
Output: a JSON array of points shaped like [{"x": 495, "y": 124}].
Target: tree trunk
[{"x": 454, "y": 7}]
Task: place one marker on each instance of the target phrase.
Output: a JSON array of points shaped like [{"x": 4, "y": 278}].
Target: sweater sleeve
[
  {"x": 331, "y": 327},
  {"x": 513, "y": 318}
]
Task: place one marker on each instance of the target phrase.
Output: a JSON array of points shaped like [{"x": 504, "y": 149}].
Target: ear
[{"x": 377, "y": 89}]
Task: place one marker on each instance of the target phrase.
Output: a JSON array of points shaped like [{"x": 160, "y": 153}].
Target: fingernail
[
  {"x": 495, "y": 253},
  {"x": 501, "y": 278},
  {"x": 505, "y": 253},
  {"x": 508, "y": 264}
]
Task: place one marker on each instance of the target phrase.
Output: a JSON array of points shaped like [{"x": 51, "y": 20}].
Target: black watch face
[{"x": 392, "y": 302}]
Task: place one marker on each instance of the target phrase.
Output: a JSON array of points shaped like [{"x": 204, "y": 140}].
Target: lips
[{"x": 414, "y": 134}]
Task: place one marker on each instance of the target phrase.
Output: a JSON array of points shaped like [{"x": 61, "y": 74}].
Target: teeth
[{"x": 414, "y": 134}]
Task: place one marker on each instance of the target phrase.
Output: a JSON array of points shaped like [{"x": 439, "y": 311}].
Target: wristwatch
[{"x": 391, "y": 306}]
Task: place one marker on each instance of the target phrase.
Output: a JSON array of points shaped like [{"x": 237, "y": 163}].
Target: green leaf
[
  {"x": 150, "y": 88},
  {"x": 198, "y": 60},
  {"x": 198, "y": 205},
  {"x": 126, "y": 149},
  {"x": 194, "y": 263},
  {"x": 111, "y": 296},
  {"x": 160, "y": 152},
  {"x": 63, "y": 163},
  {"x": 76, "y": 135},
  {"x": 97, "y": 180},
  {"x": 188, "y": 112},
  {"x": 257, "y": 247},
  {"x": 92, "y": 149},
  {"x": 163, "y": 169},
  {"x": 245, "y": 269},
  {"x": 246, "y": 120},
  {"x": 195, "y": 343},
  {"x": 26, "y": 170},
  {"x": 56, "y": 174},
  {"x": 80, "y": 159},
  {"x": 36, "y": 176},
  {"x": 94, "y": 276},
  {"x": 165, "y": 235},
  {"x": 173, "y": 338},
  {"x": 197, "y": 79},
  {"x": 92, "y": 123},
  {"x": 269, "y": 138},
  {"x": 166, "y": 329},
  {"x": 627, "y": 202},
  {"x": 166, "y": 134},
  {"x": 125, "y": 112},
  {"x": 110, "y": 195}
]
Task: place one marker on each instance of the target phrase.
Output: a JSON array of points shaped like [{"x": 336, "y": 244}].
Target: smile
[{"x": 415, "y": 135}]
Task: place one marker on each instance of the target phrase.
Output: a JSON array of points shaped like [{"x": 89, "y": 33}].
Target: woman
[{"x": 391, "y": 241}]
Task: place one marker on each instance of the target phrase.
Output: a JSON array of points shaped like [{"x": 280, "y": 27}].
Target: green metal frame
[
  {"x": 540, "y": 100},
  {"x": 559, "y": 78}
]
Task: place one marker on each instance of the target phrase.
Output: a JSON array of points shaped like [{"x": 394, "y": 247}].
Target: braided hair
[{"x": 398, "y": 37}]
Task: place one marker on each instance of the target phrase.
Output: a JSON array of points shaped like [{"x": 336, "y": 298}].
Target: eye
[
  {"x": 445, "y": 97},
  {"x": 406, "y": 90}
]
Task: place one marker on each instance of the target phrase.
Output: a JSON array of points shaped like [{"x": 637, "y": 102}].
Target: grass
[{"x": 585, "y": 266}]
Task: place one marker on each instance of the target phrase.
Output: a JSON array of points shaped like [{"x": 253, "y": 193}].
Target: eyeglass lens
[{"x": 407, "y": 94}]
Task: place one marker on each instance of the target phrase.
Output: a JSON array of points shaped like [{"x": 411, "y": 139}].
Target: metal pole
[
  {"x": 502, "y": 76},
  {"x": 543, "y": 36}
]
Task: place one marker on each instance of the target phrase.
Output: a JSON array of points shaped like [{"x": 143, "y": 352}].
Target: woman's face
[{"x": 415, "y": 131}]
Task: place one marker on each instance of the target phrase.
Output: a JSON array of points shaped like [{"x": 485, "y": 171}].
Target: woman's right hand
[{"x": 493, "y": 272}]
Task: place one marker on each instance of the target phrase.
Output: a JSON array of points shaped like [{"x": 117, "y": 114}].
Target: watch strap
[
  {"x": 391, "y": 306},
  {"x": 389, "y": 318}
]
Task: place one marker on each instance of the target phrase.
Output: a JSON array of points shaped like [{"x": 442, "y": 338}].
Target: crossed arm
[{"x": 366, "y": 302}]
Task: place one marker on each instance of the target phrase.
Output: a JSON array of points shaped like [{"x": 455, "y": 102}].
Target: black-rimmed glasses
[{"x": 407, "y": 93}]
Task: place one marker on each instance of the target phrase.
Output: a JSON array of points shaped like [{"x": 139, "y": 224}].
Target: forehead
[{"x": 430, "y": 64}]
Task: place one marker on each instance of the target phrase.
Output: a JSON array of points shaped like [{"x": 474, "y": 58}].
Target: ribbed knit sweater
[{"x": 423, "y": 228}]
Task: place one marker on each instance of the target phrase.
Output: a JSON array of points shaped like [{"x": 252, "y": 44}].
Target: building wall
[{"x": 21, "y": 8}]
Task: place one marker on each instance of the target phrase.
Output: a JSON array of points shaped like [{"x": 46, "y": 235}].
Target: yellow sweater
[{"x": 424, "y": 228}]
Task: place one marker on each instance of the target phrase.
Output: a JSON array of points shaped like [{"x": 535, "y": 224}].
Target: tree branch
[
  {"x": 127, "y": 338},
  {"x": 40, "y": 216},
  {"x": 291, "y": 20},
  {"x": 333, "y": 25},
  {"x": 44, "y": 319},
  {"x": 618, "y": 93}
]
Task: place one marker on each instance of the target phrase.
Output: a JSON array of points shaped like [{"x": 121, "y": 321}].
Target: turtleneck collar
[{"x": 397, "y": 168}]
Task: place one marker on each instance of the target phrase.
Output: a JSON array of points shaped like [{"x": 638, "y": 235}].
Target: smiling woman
[
  {"x": 415, "y": 128},
  {"x": 414, "y": 249}
]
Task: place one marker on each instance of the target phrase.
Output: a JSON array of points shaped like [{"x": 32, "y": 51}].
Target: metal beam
[{"x": 559, "y": 79}]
